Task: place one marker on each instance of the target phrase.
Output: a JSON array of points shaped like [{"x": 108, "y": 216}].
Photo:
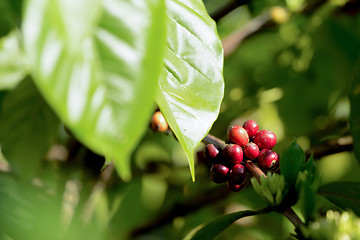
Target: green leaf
[
  {"x": 270, "y": 188},
  {"x": 12, "y": 65},
  {"x": 292, "y": 160},
  {"x": 211, "y": 229},
  {"x": 346, "y": 195},
  {"x": 191, "y": 85},
  {"x": 306, "y": 183},
  {"x": 7, "y": 20},
  {"x": 307, "y": 196},
  {"x": 97, "y": 64},
  {"x": 27, "y": 128},
  {"x": 354, "y": 120}
]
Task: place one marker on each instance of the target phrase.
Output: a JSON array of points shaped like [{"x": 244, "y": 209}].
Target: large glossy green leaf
[
  {"x": 28, "y": 127},
  {"x": 12, "y": 66},
  {"x": 354, "y": 120},
  {"x": 346, "y": 195},
  {"x": 191, "y": 85},
  {"x": 211, "y": 229},
  {"x": 97, "y": 62}
]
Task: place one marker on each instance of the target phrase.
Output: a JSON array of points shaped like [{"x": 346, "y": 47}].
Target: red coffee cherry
[
  {"x": 233, "y": 153},
  {"x": 237, "y": 134},
  {"x": 219, "y": 173},
  {"x": 235, "y": 187},
  {"x": 251, "y": 150},
  {"x": 212, "y": 154},
  {"x": 158, "y": 122},
  {"x": 238, "y": 174},
  {"x": 251, "y": 127},
  {"x": 267, "y": 159},
  {"x": 265, "y": 139}
]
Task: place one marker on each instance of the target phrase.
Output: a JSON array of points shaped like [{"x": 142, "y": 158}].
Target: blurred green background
[{"x": 292, "y": 78}]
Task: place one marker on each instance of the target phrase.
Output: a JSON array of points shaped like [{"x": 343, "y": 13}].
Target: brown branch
[
  {"x": 292, "y": 216},
  {"x": 332, "y": 146},
  {"x": 228, "y": 8},
  {"x": 254, "y": 170},
  {"x": 210, "y": 139},
  {"x": 182, "y": 209},
  {"x": 231, "y": 43},
  {"x": 259, "y": 23}
]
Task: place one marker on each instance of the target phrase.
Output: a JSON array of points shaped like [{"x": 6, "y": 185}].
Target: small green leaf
[
  {"x": 310, "y": 167},
  {"x": 27, "y": 128},
  {"x": 12, "y": 65},
  {"x": 354, "y": 120},
  {"x": 346, "y": 195},
  {"x": 191, "y": 85},
  {"x": 270, "y": 188},
  {"x": 97, "y": 63},
  {"x": 307, "y": 197},
  {"x": 211, "y": 229},
  {"x": 292, "y": 160},
  {"x": 306, "y": 185}
]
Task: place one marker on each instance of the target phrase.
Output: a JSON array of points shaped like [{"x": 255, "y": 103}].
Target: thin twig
[
  {"x": 254, "y": 170},
  {"x": 231, "y": 43},
  {"x": 182, "y": 209},
  {"x": 98, "y": 189},
  {"x": 332, "y": 146},
  {"x": 228, "y": 8},
  {"x": 210, "y": 139}
]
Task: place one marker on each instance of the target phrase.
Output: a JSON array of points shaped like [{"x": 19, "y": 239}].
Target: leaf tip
[{"x": 122, "y": 166}]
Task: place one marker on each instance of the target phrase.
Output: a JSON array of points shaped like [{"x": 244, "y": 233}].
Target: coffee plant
[{"x": 179, "y": 119}]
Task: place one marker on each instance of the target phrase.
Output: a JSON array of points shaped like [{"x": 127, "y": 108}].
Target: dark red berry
[
  {"x": 251, "y": 127},
  {"x": 236, "y": 187},
  {"x": 233, "y": 153},
  {"x": 237, "y": 134},
  {"x": 238, "y": 174},
  {"x": 158, "y": 122},
  {"x": 267, "y": 159},
  {"x": 212, "y": 153},
  {"x": 219, "y": 173},
  {"x": 265, "y": 139},
  {"x": 251, "y": 150}
]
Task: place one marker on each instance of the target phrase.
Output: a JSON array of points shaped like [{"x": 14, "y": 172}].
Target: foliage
[
  {"x": 271, "y": 188},
  {"x": 334, "y": 225},
  {"x": 79, "y": 81}
]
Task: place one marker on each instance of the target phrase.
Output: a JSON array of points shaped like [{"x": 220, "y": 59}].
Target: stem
[
  {"x": 231, "y": 42},
  {"x": 181, "y": 209},
  {"x": 254, "y": 170},
  {"x": 228, "y": 8},
  {"x": 292, "y": 216},
  {"x": 332, "y": 146},
  {"x": 210, "y": 139}
]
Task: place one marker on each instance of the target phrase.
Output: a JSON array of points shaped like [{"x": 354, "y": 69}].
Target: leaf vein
[
  {"x": 188, "y": 63},
  {"x": 212, "y": 53}
]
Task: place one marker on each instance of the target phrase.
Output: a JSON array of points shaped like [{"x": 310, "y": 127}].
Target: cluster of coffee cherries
[{"x": 244, "y": 143}]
